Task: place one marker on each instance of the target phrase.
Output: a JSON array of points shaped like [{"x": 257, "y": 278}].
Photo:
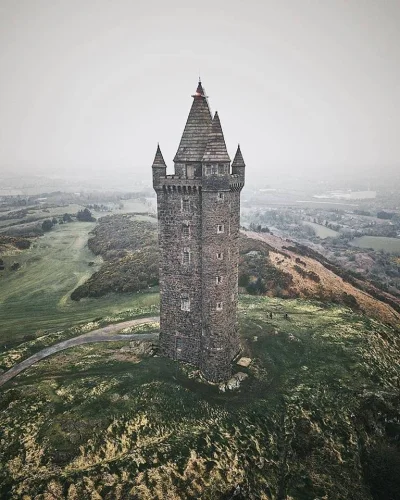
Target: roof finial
[{"x": 199, "y": 91}]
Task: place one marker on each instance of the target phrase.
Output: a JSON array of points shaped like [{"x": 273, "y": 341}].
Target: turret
[
  {"x": 159, "y": 167},
  {"x": 238, "y": 165},
  {"x": 215, "y": 159}
]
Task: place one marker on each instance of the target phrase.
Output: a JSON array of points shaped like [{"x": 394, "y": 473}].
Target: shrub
[
  {"x": 85, "y": 216},
  {"x": 47, "y": 225}
]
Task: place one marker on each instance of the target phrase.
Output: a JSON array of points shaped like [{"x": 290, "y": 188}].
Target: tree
[
  {"x": 384, "y": 215},
  {"x": 47, "y": 225},
  {"x": 85, "y": 216},
  {"x": 67, "y": 218}
]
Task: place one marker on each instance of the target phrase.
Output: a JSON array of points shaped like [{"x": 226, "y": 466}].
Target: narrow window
[
  {"x": 186, "y": 256},
  {"x": 220, "y": 196},
  {"x": 185, "y": 304},
  {"x": 221, "y": 169},
  {"x": 186, "y": 230},
  {"x": 220, "y": 228},
  {"x": 219, "y": 306},
  {"x": 214, "y": 169},
  {"x": 220, "y": 255},
  {"x": 208, "y": 170},
  {"x": 179, "y": 344},
  {"x": 218, "y": 280},
  {"x": 185, "y": 204}
]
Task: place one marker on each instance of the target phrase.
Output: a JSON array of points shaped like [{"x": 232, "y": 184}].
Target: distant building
[{"x": 199, "y": 220}]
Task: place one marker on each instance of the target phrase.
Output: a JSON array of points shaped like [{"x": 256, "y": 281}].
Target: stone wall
[
  {"x": 206, "y": 335},
  {"x": 180, "y": 279}
]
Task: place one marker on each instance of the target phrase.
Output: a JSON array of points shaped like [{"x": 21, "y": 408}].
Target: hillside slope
[
  {"x": 318, "y": 417},
  {"x": 312, "y": 279}
]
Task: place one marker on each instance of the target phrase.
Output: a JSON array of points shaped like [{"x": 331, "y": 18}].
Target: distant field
[
  {"x": 35, "y": 213},
  {"x": 36, "y": 297},
  {"x": 321, "y": 231},
  {"x": 378, "y": 243},
  {"x": 133, "y": 205}
]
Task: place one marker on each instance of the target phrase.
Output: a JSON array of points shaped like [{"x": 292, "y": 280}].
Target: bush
[
  {"x": 67, "y": 218},
  {"x": 85, "y": 216},
  {"x": 47, "y": 225},
  {"x": 257, "y": 287},
  {"x": 382, "y": 472}
]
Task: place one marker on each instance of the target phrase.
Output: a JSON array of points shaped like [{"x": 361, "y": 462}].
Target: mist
[{"x": 304, "y": 87}]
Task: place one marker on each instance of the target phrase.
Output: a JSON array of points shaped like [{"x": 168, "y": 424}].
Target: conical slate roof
[
  {"x": 215, "y": 149},
  {"x": 238, "y": 160},
  {"x": 159, "y": 159},
  {"x": 197, "y": 129}
]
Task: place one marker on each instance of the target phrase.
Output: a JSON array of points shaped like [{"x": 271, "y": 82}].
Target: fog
[{"x": 303, "y": 86}]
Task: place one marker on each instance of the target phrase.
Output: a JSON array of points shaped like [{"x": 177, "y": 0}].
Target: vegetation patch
[
  {"x": 317, "y": 417},
  {"x": 130, "y": 253},
  {"x": 35, "y": 299}
]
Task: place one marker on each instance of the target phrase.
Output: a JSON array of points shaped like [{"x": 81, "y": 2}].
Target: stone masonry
[{"x": 198, "y": 221}]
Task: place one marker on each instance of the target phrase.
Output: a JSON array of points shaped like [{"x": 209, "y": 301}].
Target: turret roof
[
  {"x": 238, "y": 160},
  {"x": 159, "y": 159},
  {"x": 197, "y": 129},
  {"x": 215, "y": 149}
]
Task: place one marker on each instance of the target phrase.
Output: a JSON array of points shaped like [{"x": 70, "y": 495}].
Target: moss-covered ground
[{"x": 317, "y": 418}]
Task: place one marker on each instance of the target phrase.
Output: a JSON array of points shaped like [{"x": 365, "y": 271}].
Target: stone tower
[{"x": 198, "y": 220}]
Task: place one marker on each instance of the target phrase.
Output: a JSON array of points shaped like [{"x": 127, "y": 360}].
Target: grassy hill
[
  {"x": 129, "y": 248},
  {"x": 268, "y": 266},
  {"x": 36, "y": 297},
  {"x": 318, "y": 416},
  {"x": 312, "y": 276}
]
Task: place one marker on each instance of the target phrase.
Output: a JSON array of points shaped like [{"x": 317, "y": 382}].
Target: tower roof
[
  {"x": 238, "y": 160},
  {"x": 215, "y": 149},
  {"x": 159, "y": 159},
  {"x": 197, "y": 129}
]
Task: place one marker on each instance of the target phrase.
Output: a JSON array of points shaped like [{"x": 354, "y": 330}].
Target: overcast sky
[{"x": 301, "y": 84}]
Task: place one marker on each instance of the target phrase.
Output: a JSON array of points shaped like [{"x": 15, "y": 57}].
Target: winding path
[{"x": 105, "y": 334}]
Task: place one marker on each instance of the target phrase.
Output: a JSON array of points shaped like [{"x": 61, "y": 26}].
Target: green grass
[
  {"x": 321, "y": 231},
  {"x": 378, "y": 243},
  {"x": 36, "y": 297},
  {"x": 98, "y": 422}
]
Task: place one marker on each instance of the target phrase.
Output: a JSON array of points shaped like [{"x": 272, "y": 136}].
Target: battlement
[{"x": 182, "y": 183}]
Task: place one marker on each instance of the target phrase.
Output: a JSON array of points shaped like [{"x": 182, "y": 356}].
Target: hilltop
[{"x": 317, "y": 417}]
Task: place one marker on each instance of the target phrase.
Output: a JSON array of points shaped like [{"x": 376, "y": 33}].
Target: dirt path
[{"x": 105, "y": 334}]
